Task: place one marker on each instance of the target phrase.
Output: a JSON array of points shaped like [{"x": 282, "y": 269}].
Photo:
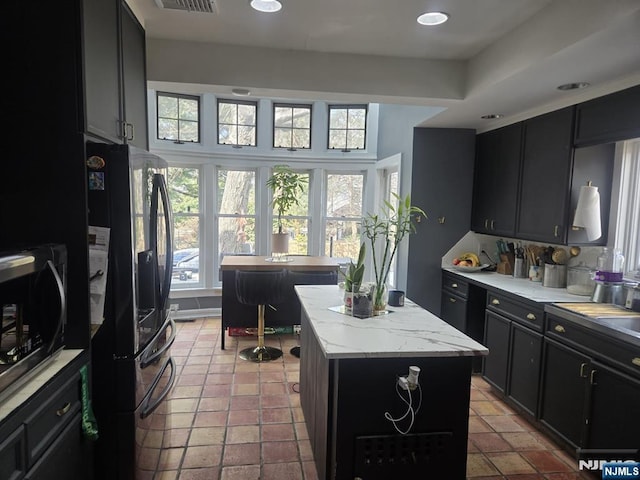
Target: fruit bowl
[{"x": 469, "y": 269}]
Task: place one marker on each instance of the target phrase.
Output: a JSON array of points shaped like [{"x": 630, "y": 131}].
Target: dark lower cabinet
[
  {"x": 562, "y": 406},
  {"x": 496, "y": 339},
  {"x": 524, "y": 374},
  {"x": 615, "y": 409},
  {"x": 453, "y": 310}
]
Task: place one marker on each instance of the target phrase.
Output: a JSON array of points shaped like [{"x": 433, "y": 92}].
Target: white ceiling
[{"x": 496, "y": 56}]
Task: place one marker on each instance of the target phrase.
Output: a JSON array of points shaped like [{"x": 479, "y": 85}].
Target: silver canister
[{"x": 554, "y": 276}]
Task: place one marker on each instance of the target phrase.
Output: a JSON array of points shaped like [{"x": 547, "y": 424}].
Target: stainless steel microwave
[{"x": 33, "y": 306}]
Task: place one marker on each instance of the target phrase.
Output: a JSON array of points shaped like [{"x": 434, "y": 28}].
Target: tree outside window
[
  {"x": 291, "y": 126},
  {"x": 236, "y": 211},
  {"x": 237, "y": 122},
  {"x": 178, "y": 117},
  {"x": 347, "y": 127},
  {"x": 343, "y": 214}
]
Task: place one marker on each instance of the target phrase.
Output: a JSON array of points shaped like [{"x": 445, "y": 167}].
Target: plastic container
[
  {"x": 610, "y": 265},
  {"x": 580, "y": 280}
]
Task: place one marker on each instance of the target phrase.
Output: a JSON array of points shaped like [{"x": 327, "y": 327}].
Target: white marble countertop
[
  {"x": 408, "y": 331},
  {"x": 521, "y": 286},
  {"x": 26, "y": 391}
]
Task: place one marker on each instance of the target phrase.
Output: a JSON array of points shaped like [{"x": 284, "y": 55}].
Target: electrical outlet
[{"x": 296, "y": 329}]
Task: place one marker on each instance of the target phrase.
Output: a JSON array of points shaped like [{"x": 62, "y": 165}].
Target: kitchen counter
[
  {"x": 408, "y": 331},
  {"x": 520, "y": 286},
  {"x": 295, "y": 263}
]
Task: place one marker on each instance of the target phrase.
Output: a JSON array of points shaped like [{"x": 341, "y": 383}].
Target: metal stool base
[{"x": 260, "y": 354}]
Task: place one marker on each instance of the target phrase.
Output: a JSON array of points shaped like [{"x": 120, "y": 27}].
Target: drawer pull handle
[
  {"x": 531, "y": 316},
  {"x": 559, "y": 329},
  {"x": 61, "y": 411},
  {"x": 636, "y": 361},
  {"x": 495, "y": 301},
  {"x": 452, "y": 300},
  {"x": 454, "y": 285},
  {"x": 582, "y": 367}
]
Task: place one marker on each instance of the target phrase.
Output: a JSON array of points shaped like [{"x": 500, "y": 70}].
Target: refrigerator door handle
[
  {"x": 148, "y": 360},
  {"x": 63, "y": 304},
  {"x": 160, "y": 190},
  {"x": 147, "y": 408}
]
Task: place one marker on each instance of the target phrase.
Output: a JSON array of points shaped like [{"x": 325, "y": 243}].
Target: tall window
[
  {"x": 347, "y": 127},
  {"x": 184, "y": 194},
  {"x": 237, "y": 122},
  {"x": 343, "y": 214},
  {"x": 178, "y": 117},
  {"x": 291, "y": 126},
  {"x": 297, "y": 222},
  {"x": 236, "y": 211},
  {"x": 628, "y": 224}
]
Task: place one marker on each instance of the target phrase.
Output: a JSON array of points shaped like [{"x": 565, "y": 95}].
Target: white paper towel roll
[{"x": 588, "y": 212}]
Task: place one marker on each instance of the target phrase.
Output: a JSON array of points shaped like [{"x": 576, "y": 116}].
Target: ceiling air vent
[{"x": 202, "y": 6}]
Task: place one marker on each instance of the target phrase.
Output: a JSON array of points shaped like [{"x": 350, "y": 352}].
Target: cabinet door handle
[
  {"x": 492, "y": 223},
  {"x": 454, "y": 285},
  {"x": 486, "y": 224},
  {"x": 582, "y": 367},
  {"x": 636, "y": 361},
  {"x": 559, "y": 329},
  {"x": 61, "y": 411},
  {"x": 495, "y": 301},
  {"x": 452, "y": 300},
  {"x": 555, "y": 231},
  {"x": 131, "y": 133},
  {"x": 592, "y": 377},
  {"x": 531, "y": 316}
]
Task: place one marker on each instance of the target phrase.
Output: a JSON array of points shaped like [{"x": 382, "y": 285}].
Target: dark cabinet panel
[
  {"x": 524, "y": 374},
  {"x": 562, "y": 405},
  {"x": 496, "y": 180},
  {"x": 454, "y": 310},
  {"x": 545, "y": 179},
  {"x": 441, "y": 184},
  {"x": 101, "y": 68},
  {"x": 615, "y": 409},
  {"x": 134, "y": 79},
  {"x": 610, "y": 118},
  {"x": 496, "y": 339}
]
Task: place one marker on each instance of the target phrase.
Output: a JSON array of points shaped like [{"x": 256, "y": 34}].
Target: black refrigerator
[{"x": 133, "y": 371}]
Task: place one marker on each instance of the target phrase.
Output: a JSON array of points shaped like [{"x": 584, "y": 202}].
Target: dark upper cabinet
[
  {"x": 441, "y": 184},
  {"x": 545, "y": 177},
  {"x": 496, "y": 181},
  {"x": 134, "y": 78},
  {"x": 115, "y": 73},
  {"x": 101, "y": 68},
  {"x": 611, "y": 118}
]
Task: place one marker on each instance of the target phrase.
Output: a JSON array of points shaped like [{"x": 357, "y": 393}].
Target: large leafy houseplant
[
  {"x": 385, "y": 232},
  {"x": 286, "y": 185}
]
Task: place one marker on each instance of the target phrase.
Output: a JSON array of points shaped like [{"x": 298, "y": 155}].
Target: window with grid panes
[
  {"x": 237, "y": 122},
  {"x": 291, "y": 126},
  {"x": 347, "y": 127},
  {"x": 178, "y": 117},
  {"x": 343, "y": 214}
]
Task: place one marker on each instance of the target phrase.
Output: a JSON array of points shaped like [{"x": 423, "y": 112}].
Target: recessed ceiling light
[
  {"x": 241, "y": 92},
  {"x": 268, "y": 6},
  {"x": 433, "y": 18},
  {"x": 491, "y": 116},
  {"x": 573, "y": 86}
]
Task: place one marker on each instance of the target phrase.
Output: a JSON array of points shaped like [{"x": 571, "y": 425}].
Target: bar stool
[{"x": 262, "y": 288}]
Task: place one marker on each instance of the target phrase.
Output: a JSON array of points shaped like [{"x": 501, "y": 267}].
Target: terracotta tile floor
[{"x": 236, "y": 420}]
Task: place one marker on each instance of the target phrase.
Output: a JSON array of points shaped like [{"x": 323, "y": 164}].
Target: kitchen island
[
  {"x": 308, "y": 269},
  {"x": 349, "y": 369}
]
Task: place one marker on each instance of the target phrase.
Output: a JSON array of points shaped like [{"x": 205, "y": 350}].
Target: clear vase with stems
[{"x": 385, "y": 232}]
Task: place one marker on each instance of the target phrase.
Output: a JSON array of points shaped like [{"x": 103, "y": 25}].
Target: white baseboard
[{"x": 183, "y": 315}]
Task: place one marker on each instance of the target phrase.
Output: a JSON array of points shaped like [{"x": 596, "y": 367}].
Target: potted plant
[
  {"x": 353, "y": 277},
  {"x": 385, "y": 232},
  {"x": 286, "y": 185}
]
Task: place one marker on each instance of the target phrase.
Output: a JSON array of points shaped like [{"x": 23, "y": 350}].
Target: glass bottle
[{"x": 610, "y": 265}]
